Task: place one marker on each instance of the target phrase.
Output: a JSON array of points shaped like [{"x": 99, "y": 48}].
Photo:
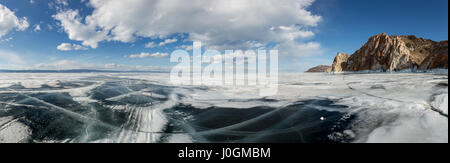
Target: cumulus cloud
[
  {"x": 69, "y": 47},
  {"x": 219, "y": 24},
  {"x": 150, "y": 45},
  {"x": 150, "y": 55},
  {"x": 163, "y": 43},
  {"x": 9, "y": 21},
  {"x": 73, "y": 26},
  {"x": 37, "y": 27},
  {"x": 168, "y": 41},
  {"x": 6, "y": 39},
  {"x": 62, "y": 2}
]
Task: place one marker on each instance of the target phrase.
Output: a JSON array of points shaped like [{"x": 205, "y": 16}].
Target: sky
[{"x": 141, "y": 34}]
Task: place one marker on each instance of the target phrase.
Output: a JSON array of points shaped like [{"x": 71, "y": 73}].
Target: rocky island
[
  {"x": 321, "y": 68},
  {"x": 394, "y": 53}
]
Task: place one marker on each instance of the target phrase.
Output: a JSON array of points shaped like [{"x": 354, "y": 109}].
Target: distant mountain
[
  {"x": 394, "y": 53},
  {"x": 321, "y": 68},
  {"x": 76, "y": 71}
]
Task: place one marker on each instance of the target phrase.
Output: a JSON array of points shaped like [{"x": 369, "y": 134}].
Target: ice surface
[
  {"x": 12, "y": 131},
  {"x": 145, "y": 107},
  {"x": 441, "y": 103}
]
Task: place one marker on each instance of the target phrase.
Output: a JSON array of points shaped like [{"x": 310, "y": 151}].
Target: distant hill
[
  {"x": 76, "y": 71},
  {"x": 321, "y": 68}
]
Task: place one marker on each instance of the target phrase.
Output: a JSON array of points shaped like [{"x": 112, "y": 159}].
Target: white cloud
[
  {"x": 69, "y": 47},
  {"x": 37, "y": 27},
  {"x": 62, "y": 2},
  {"x": 168, "y": 41},
  {"x": 32, "y": 1},
  {"x": 150, "y": 55},
  {"x": 150, "y": 45},
  {"x": 9, "y": 21},
  {"x": 185, "y": 47},
  {"x": 58, "y": 5},
  {"x": 291, "y": 33},
  {"x": 220, "y": 24},
  {"x": 163, "y": 43},
  {"x": 73, "y": 26},
  {"x": 189, "y": 48}
]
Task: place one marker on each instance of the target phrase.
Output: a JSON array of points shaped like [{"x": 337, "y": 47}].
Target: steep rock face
[
  {"x": 393, "y": 53},
  {"x": 340, "y": 62},
  {"x": 439, "y": 57},
  {"x": 321, "y": 68}
]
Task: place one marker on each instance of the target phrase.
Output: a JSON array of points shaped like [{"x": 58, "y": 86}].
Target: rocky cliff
[
  {"x": 393, "y": 53},
  {"x": 321, "y": 68}
]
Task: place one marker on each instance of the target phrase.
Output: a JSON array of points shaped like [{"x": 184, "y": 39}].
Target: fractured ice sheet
[
  {"x": 12, "y": 131},
  {"x": 145, "y": 107}
]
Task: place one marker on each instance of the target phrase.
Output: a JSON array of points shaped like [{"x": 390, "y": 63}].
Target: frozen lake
[{"x": 144, "y": 107}]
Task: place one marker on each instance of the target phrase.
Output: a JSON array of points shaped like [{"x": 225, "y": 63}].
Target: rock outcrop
[
  {"x": 321, "y": 68},
  {"x": 340, "y": 62},
  {"x": 394, "y": 53}
]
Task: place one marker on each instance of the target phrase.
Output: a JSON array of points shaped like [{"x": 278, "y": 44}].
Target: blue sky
[{"x": 306, "y": 34}]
